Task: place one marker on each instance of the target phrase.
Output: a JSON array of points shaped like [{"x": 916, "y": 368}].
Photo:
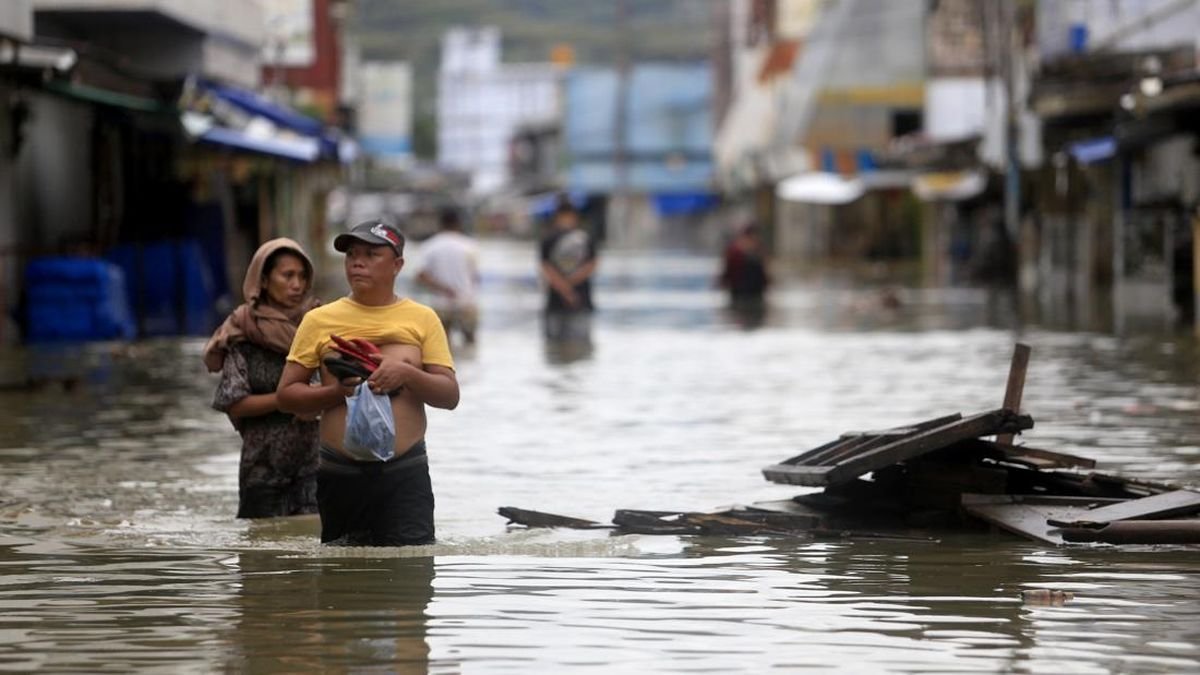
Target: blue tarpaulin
[
  {"x": 254, "y": 104},
  {"x": 684, "y": 204},
  {"x": 1093, "y": 150},
  {"x": 302, "y": 149},
  {"x": 289, "y": 134}
]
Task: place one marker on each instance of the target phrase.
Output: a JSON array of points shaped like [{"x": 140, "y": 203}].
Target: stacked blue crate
[
  {"x": 76, "y": 299},
  {"x": 170, "y": 286}
]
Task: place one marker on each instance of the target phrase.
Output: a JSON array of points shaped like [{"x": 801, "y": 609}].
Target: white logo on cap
[{"x": 379, "y": 231}]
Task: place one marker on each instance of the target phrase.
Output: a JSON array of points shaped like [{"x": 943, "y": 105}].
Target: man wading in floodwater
[{"x": 364, "y": 501}]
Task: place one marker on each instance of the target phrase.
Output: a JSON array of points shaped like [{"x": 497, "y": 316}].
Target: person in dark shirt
[
  {"x": 568, "y": 262},
  {"x": 744, "y": 268}
]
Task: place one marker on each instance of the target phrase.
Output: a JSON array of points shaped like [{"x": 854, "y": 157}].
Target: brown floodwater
[{"x": 119, "y": 551}]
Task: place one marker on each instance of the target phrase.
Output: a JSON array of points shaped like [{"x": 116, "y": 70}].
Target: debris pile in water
[{"x": 945, "y": 474}]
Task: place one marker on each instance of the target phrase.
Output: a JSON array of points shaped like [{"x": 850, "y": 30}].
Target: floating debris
[
  {"x": 949, "y": 473},
  {"x": 1046, "y": 596}
]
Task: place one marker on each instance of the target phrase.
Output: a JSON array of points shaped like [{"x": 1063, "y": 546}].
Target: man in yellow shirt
[{"x": 364, "y": 501}]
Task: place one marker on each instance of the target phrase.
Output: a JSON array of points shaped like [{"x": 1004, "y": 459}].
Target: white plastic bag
[{"x": 370, "y": 427}]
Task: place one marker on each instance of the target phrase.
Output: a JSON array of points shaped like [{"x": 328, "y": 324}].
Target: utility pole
[
  {"x": 618, "y": 208},
  {"x": 1009, "y": 51}
]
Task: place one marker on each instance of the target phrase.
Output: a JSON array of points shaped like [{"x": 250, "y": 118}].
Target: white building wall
[
  {"x": 882, "y": 43},
  {"x": 55, "y": 172},
  {"x": 482, "y": 102},
  {"x": 16, "y": 19},
  {"x": 955, "y": 107},
  {"x": 1155, "y": 23},
  {"x": 471, "y": 50}
]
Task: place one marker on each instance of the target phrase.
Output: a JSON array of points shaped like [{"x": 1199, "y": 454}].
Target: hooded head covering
[{"x": 256, "y": 320}]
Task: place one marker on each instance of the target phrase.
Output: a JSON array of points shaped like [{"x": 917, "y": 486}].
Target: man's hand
[
  {"x": 391, "y": 375},
  {"x": 569, "y": 296}
]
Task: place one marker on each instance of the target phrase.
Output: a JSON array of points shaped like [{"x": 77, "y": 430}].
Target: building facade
[
  {"x": 144, "y": 140},
  {"x": 483, "y": 103}
]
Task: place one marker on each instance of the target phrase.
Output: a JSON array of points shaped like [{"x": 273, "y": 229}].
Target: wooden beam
[
  {"x": 1138, "y": 532},
  {"x": 910, "y": 429},
  {"x": 1051, "y": 458},
  {"x": 1016, "y": 385},
  {"x": 539, "y": 519},
  {"x": 1165, "y": 505}
]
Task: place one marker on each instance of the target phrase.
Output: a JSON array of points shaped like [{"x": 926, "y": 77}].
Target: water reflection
[
  {"x": 344, "y": 613},
  {"x": 563, "y": 352}
]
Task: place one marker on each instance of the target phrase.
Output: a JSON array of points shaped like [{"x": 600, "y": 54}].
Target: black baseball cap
[{"x": 374, "y": 232}]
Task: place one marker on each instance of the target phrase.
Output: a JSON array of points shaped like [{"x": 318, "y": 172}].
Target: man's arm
[
  {"x": 295, "y": 395},
  {"x": 585, "y": 271},
  {"x": 433, "y": 385},
  {"x": 559, "y": 283},
  {"x": 436, "y": 286}
]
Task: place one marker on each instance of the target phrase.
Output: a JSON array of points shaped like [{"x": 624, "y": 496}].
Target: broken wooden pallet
[{"x": 855, "y": 454}]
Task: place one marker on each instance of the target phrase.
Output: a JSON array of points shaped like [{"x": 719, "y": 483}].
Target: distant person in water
[
  {"x": 277, "y": 475},
  {"x": 744, "y": 271},
  {"x": 450, "y": 268},
  {"x": 568, "y": 262}
]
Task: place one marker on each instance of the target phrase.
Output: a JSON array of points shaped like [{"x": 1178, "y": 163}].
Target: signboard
[
  {"x": 385, "y": 114},
  {"x": 290, "y": 33}
]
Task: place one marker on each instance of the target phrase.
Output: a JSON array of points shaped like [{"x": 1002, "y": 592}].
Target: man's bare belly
[{"x": 407, "y": 410}]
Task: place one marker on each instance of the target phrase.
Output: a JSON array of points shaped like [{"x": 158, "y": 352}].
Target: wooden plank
[
  {"x": 1137, "y": 532},
  {"x": 852, "y": 438},
  {"x": 716, "y": 523},
  {"x": 847, "y": 446},
  {"x": 870, "y": 442},
  {"x": 777, "y": 519},
  {"x": 1027, "y": 515},
  {"x": 731, "y": 522},
  {"x": 1165, "y": 505},
  {"x": 1015, "y": 386},
  {"x": 1047, "y": 458},
  {"x": 539, "y": 519},
  {"x": 832, "y": 445},
  {"x": 910, "y": 429},
  {"x": 787, "y": 474},
  {"x": 983, "y": 424},
  {"x": 635, "y": 521}
]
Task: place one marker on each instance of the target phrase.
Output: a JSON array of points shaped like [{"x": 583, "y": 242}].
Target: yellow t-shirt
[{"x": 404, "y": 322}]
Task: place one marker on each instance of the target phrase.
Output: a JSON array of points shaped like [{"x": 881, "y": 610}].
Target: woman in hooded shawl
[{"x": 278, "y": 471}]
